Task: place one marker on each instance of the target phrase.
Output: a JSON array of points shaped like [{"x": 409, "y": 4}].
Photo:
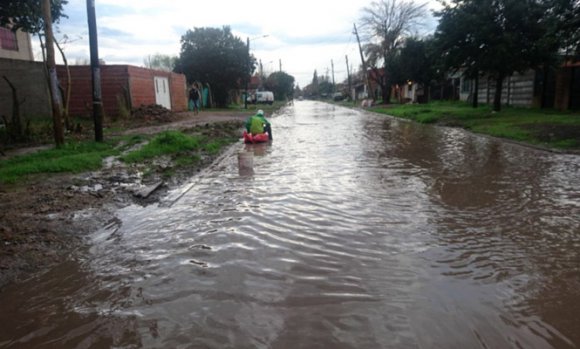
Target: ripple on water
[{"x": 355, "y": 231}]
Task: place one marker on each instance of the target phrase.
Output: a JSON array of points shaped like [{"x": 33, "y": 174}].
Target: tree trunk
[
  {"x": 51, "y": 66},
  {"x": 475, "y": 101},
  {"x": 544, "y": 89},
  {"x": 497, "y": 96},
  {"x": 15, "y": 126},
  {"x": 67, "y": 92},
  {"x": 385, "y": 90}
]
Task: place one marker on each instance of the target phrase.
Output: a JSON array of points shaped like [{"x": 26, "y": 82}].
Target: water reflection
[{"x": 353, "y": 231}]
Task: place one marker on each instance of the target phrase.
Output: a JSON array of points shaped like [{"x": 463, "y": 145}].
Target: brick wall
[
  {"x": 143, "y": 89},
  {"x": 119, "y": 83},
  {"x": 31, "y": 85},
  {"x": 178, "y": 92},
  {"x": 114, "y": 83}
]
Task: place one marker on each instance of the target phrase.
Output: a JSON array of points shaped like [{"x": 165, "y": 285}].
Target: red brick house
[{"x": 124, "y": 86}]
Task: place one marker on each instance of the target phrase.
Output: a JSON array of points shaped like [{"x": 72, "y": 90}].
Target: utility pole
[
  {"x": 362, "y": 58},
  {"x": 95, "y": 71},
  {"x": 280, "y": 65},
  {"x": 249, "y": 67},
  {"x": 348, "y": 76},
  {"x": 261, "y": 75},
  {"x": 249, "y": 76},
  {"x": 333, "y": 84},
  {"x": 53, "y": 78}
]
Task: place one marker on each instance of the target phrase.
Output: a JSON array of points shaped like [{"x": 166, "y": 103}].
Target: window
[{"x": 8, "y": 39}]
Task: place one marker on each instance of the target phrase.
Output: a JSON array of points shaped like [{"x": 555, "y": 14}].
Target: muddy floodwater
[{"x": 354, "y": 231}]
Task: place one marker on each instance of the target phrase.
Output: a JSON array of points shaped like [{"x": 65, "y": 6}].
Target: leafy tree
[
  {"x": 281, "y": 84},
  {"x": 497, "y": 37},
  {"x": 416, "y": 61},
  {"x": 160, "y": 62},
  {"x": 325, "y": 87},
  {"x": 413, "y": 61},
  {"x": 565, "y": 15},
  {"x": 27, "y": 14},
  {"x": 312, "y": 90},
  {"x": 315, "y": 78},
  {"x": 217, "y": 57},
  {"x": 386, "y": 23}
]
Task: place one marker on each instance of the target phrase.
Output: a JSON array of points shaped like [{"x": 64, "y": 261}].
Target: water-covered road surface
[{"x": 355, "y": 231}]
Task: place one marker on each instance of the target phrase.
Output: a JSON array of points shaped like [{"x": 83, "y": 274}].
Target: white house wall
[{"x": 24, "y": 51}]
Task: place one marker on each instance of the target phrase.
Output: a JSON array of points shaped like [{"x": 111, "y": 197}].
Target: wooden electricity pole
[
  {"x": 362, "y": 58},
  {"x": 348, "y": 77},
  {"x": 96, "y": 71},
  {"x": 333, "y": 84}
]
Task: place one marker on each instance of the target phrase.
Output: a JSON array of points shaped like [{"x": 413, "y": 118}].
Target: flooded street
[{"x": 354, "y": 231}]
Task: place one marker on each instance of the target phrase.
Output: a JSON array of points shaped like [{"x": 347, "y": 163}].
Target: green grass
[
  {"x": 72, "y": 158},
  {"x": 166, "y": 143},
  {"x": 87, "y": 156},
  {"x": 182, "y": 161},
  {"x": 213, "y": 147},
  {"x": 535, "y": 126}
]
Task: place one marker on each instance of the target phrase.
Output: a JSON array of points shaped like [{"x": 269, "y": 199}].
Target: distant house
[{"x": 15, "y": 45}]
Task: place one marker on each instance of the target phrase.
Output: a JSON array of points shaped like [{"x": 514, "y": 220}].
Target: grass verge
[
  {"x": 544, "y": 127},
  {"x": 183, "y": 149},
  {"x": 71, "y": 158}
]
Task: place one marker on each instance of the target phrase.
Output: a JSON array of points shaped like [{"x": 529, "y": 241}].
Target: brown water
[{"x": 355, "y": 231}]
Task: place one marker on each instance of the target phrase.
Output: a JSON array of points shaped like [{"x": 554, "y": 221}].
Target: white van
[{"x": 265, "y": 97}]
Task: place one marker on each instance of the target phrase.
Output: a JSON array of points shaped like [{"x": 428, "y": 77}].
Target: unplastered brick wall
[
  {"x": 121, "y": 85},
  {"x": 114, "y": 80},
  {"x": 143, "y": 87}
]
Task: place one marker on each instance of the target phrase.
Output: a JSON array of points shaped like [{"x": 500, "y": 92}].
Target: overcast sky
[{"x": 304, "y": 35}]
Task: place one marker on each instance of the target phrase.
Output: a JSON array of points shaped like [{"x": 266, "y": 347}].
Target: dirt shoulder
[{"x": 45, "y": 219}]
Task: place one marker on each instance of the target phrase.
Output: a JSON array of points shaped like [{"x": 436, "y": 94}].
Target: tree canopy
[
  {"x": 217, "y": 57},
  {"x": 416, "y": 62},
  {"x": 27, "y": 14},
  {"x": 281, "y": 84},
  {"x": 319, "y": 87},
  {"x": 160, "y": 62},
  {"x": 497, "y": 37},
  {"x": 566, "y": 18},
  {"x": 387, "y": 23}
]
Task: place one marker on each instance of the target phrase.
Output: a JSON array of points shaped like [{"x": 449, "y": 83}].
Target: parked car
[
  {"x": 262, "y": 97},
  {"x": 337, "y": 96}
]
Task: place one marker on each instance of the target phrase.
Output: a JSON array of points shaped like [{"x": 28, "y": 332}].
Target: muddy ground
[{"x": 46, "y": 218}]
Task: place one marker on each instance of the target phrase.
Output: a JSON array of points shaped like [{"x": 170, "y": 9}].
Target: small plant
[
  {"x": 124, "y": 111},
  {"x": 169, "y": 142}
]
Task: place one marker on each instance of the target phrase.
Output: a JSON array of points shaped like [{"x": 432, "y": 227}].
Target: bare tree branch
[{"x": 386, "y": 24}]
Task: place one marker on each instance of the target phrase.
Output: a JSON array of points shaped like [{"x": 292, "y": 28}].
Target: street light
[{"x": 249, "y": 69}]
